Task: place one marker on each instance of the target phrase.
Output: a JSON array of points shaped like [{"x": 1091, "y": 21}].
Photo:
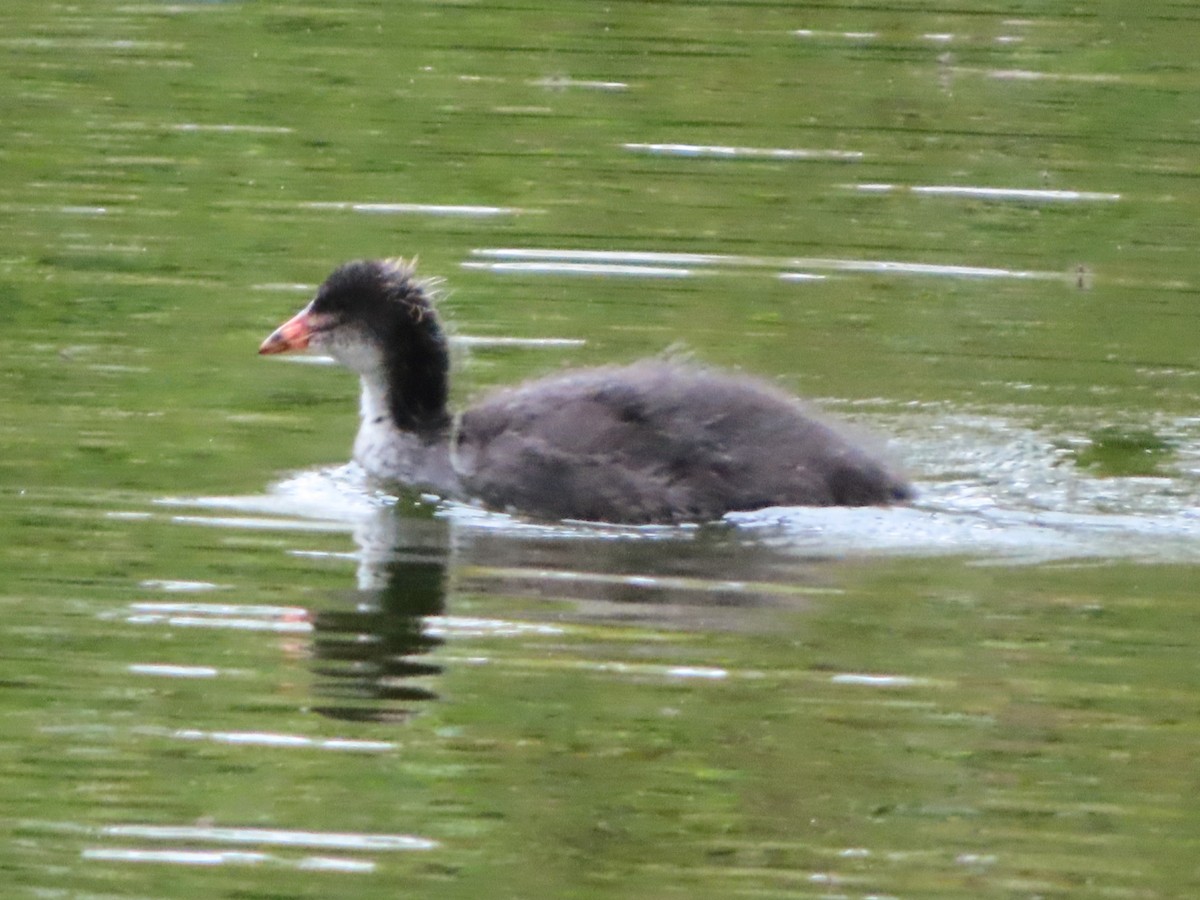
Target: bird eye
[{"x": 323, "y": 320}]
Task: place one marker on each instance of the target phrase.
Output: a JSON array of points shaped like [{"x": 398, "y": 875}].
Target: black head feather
[{"x": 392, "y": 308}]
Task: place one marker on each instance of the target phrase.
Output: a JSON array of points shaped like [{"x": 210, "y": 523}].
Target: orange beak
[{"x": 294, "y": 334}]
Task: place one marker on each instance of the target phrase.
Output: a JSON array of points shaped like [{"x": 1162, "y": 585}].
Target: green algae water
[{"x": 229, "y": 668}]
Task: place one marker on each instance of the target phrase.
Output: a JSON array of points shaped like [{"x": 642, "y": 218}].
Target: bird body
[{"x": 652, "y": 441}]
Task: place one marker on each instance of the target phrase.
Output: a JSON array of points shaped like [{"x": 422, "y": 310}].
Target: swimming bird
[{"x": 655, "y": 441}]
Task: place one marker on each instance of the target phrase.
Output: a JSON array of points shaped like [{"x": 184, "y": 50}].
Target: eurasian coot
[{"x": 653, "y": 441}]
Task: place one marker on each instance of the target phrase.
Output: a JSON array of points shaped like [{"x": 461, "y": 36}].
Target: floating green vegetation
[{"x": 1115, "y": 451}]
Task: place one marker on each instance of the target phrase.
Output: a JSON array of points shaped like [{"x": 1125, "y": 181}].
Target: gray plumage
[{"x": 659, "y": 441}]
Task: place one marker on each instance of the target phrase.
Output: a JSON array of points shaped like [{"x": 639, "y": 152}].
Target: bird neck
[
  {"x": 414, "y": 411},
  {"x": 415, "y": 456},
  {"x": 411, "y": 386}
]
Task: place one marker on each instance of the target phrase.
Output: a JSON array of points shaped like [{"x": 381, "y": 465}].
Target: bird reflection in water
[{"x": 369, "y": 646}]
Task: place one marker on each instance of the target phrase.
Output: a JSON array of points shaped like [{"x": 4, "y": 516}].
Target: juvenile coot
[{"x": 654, "y": 441}]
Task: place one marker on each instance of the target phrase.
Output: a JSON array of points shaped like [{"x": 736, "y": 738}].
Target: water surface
[{"x": 234, "y": 669}]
